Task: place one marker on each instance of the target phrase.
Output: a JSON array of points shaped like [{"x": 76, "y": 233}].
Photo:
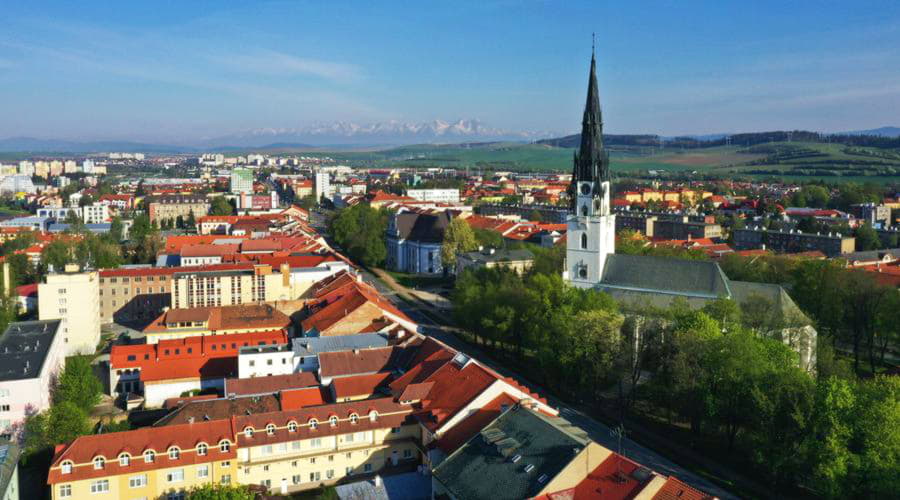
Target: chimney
[
  {"x": 378, "y": 481},
  {"x": 190, "y": 420}
]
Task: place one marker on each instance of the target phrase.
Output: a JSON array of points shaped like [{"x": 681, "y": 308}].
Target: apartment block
[
  {"x": 683, "y": 230},
  {"x": 170, "y": 207},
  {"x": 72, "y": 297},
  {"x": 831, "y": 244}
]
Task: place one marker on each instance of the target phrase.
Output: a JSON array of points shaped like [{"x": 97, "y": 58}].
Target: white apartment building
[
  {"x": 435, "y": 195},
  {"x": 322, "y": 186},
  {"x": 73, "y": 297},
  {"x": 266, "y": 360},
  {"x": 87, "y": 166},
  {"x": 95, "y": 214},
  {"x": 31, "y": 354},
  {"x": 241, "y": 180}
]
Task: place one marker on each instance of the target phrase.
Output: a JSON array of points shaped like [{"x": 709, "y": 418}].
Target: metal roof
[{"x": 24, "y": 347}]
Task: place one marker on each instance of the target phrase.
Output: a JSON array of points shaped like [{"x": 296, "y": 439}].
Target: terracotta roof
[
  {"x": 674, "y": 489},
  {"x": 172, "y": 403},
  {"x": 186, "y": 437},
  {"x": 196, "y": 368},
  {"x": 453, "y": 389},
  {"x": 168, "y": 271},
  {"x": 209, "y": 250},
  {"x": 430, "y": 357},
  {"x": 224, "y": 318},
  {"x": 457, "y": 435},
  {"x": 218, "y": 408},
  {"x": 361, "y": 361},
  {"x": 341, "y": 296},
  {"x": 294, "y": 399},
  {"x": 613, "y": 479},
  {"x": 416, "y": 392},
  {"x": 269, "y": 385},
  {"x": 359, "y": 385},
  {"x": 212, "y": 346}
]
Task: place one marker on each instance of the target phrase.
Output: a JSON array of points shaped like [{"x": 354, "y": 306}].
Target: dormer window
[
  {"x": 201, "y": 449},
  {"x": 66, "y": 467},
  {"x": 248, "y": 432},
  {"x": 174, "y": 453},
  {"x": 270, "y": 429},
  {"x": 124, "y": 459},
  {"x": 313, "y": 424},
  {"x": 333, "y": 421},
  {"x": 354, "y": 418},
  {"x": 99, "y": 463},
  {"x": 224, "y": 446},
  {"x": 373, "y": 416},
  {"x": 292, "y": 426},
  {"x": 149, "y": 456}
]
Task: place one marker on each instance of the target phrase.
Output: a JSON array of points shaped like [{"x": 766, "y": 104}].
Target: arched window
[
  {"x": 66, "y": 467},
  {"x": 224, "y": 446},
  {"x": 149, "y": 456},
  {"x": 292, "y": 426},
  {"x": 270, "y": 429},
  {"x": 584, "y": 210},
  {"x": 174, "y": 453},
  {"x": 373, "y": 416},
  {"x": 354, "y": 418},
  {"x": 583, "y": 240},
  {"x": 99, "y": 462},
  {"x": 201, "y": 449},
  {"x": 313, "y": 424},
  {"x": 333, "y": 420},
  {"x": 248, "y": 432},
  {"x": 124, "y": 459}
]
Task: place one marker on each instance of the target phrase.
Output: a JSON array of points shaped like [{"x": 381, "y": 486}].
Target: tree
[
  {"x": 191, "y": 221},
  {"x": 867, "y": 238},
  {"x": 57, "y": 254},
  {"x": 308, "y": 202},
  {"x": 360, "y": 231},
  {"x": 116, "y": 230},
  {"x": 458, "y": 238},
  {"x": 221, "y": 206},
  {"x": 65, "y": 422},
  {"x": 488, "y": 238},
  {"x": 594, "y": 347},
  {"x": 78, "y": 384},
  {"x": 215, "y": 491}
]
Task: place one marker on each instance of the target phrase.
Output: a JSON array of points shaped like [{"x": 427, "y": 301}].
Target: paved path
[{"x": 599, "y": 432}]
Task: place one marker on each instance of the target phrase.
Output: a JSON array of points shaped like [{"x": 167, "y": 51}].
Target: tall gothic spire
[{"x": 592, "y": 161}]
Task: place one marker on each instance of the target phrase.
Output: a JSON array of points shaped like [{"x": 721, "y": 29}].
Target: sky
[{"x": 180, "y": 71}]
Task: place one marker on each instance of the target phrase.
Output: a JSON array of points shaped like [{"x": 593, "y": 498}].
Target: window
[
  {"x": 101, "y": 486},
  {"x": 226, "y": 479},
  {"x": 99, "y": 463},
  {"x": 266, "y": 482},
  {"x": 149, "y": 456},
  {"x": 348, "y": 455},
  {"x": 201, "y": 449},
  {"x": 312, "y": 461},
  {"x": 333, "y": 420},
  {"x": 226, "y": 464},
  {"x": 269, "y": 362},
  {"x": 373, "y": 416},
  {"x": 331, "y": 458},
  {"x": 224, "y": 446},
  {"x": 296, "y": 479},
  {"x": 348, "y": 438},
  {"x": 175, "y": 476},
  {"x": 407, "y": 453},
  {"x": 292, "y": 426},
  {"x": 248, "y": 432},
  {"x": 313, "y": 424},
  {"x": 367, "y": 467},
  {"x": 270, "y": 429},
  {"x": 137, "y": 481},
  {"x": 265, "y": 468},
  {"x": 174, "y": 453},
  {"x": 395, "y": 430},
  {"x": 203, "y": 471},
  {"x": 329, "y": 474},
  {"x": 584, "y": 240},
  {"x": 295, "y": 445},
  {"x": 124, "y": 459},
  {"x": 252, "y": 363},
  {"x": 267, "y": 450},
  {"x": 66, "y": 467},
  {"x": 65, "y": 491},
  {"x": 348, "y": 471},
  {"x": 354, "y": 418},
  {"x": 315, "y": 443},
  {"x": 314, "y": 476}
]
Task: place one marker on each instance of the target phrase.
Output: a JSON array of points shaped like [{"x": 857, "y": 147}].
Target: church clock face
[{"x": 585, "y": 188}]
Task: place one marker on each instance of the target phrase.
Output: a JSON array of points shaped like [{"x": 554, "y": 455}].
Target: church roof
[
  {"x": 776, "y": 294},
  {"x": 664, "y": 275}
]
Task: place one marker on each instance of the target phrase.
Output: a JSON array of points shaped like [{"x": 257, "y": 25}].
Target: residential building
[
  {"x": 519, "y": 261},
  {"x": 266, "y": 361},
  {"x": 9, "y": 470},
  {"x": 241, "y": 180},
  {"x": 322, "y": 186},
  {"x": 250, "y": 201},
  {"x": 31, "y": 354},
  {"x": 684, "y": 230},
  {"x": 872, "y": 213},
  {"x": 96, "y": 213},
  {"x": 171, "y": 207},
  {"x": 216, "y": 320},
  {"x": 548, "y": 213},
  {"x": 414, "y": 242},
  {"x": 450, "y": 196},
  {"x": 307, "y": 349},
  {"x": 72, "y": 296},
  {"x": 793, "y": 241}
]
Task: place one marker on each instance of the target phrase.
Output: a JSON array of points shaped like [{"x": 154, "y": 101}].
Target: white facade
[
  {"x": 265, "y": 361},
  {"x": 322, "y": 186},
  {"x": 590, "y": 236},
  {"x": 156, "y": 393},
  {"x": 25, "y": 388},
  {"x": 435, "y": 195},
  {"x": 241, "y": 180},
  {"x": 414, "y": 256},
  {"x": 95, "y": 214},
  {"x": 201, "y": 260},
  {"x": 73, "y": 297},
  {"x": 87, "y": 166}
]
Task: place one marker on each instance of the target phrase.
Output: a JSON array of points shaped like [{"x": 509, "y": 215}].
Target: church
[{"x": 591, "y": 261}]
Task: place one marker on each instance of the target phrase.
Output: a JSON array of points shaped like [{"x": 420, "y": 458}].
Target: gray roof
[
  {"x": 9, "y": 460},
  {"x": 867, "y": 255},
  {"x": 24, "y": 347},
  {"x": 422, "y": 227},
  {"x": 486, "y": 467},
  {"x": 776, "y": 294},
  {"x": 501, "y": 255},
  {"x": 310, "y": 346},
  {"x": 58, "y": 227},
  {"x": 664, "y": 275}
]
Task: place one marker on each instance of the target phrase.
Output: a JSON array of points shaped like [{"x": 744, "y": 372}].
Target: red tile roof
[
  {"x": 294, "y": 399},
  {"x": 194, "y": 368},
  {"x": 84, "y": 449},
  {"x": 453, "y": 389},
  {"x": 357, "y": 362},
  {"x": 250, "y": 316},
  {"x": 674, "y": 489},
  {"x": 212, "y": 346},
  {"x": 269, "y": 385},
  {"x": 460, "y": 433},
  {"x": 359, "y": 385}
]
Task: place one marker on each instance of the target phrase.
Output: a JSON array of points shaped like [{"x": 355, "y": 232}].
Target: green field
[{"x": 789, "y": 161}]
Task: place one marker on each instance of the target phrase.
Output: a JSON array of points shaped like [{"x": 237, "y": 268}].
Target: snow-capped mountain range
[{"x": 389, "y": 132}]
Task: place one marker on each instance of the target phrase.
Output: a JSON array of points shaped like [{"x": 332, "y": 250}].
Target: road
[{"x": 599, "y": 432}]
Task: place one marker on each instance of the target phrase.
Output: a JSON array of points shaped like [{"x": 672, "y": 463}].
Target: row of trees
[{"x": 360, "y": 232}]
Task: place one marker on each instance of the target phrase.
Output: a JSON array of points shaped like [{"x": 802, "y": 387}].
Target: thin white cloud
[{"x": 271, "y": 62}]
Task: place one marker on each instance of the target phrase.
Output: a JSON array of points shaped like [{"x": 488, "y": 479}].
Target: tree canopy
[
  {"x": 458, "y": 238},
  {"x": 360, "y": 231}
]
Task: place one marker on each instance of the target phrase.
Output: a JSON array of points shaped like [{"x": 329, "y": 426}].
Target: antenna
[
  {"x": 618, "y": 432},
  {"x": 593, "y": 42}
]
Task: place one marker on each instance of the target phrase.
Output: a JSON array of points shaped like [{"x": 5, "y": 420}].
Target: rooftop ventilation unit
[
  {"x": 529, "y": 468},
  {"x": 543, "y": 479},
  {"x": 515, "y": 458}
]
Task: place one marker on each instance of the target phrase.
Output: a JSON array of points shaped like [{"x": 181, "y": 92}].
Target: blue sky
[{"x": 180, "y": 71}]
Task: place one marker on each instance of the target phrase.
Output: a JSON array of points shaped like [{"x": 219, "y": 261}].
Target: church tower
[{"x": 591, "y": 225}]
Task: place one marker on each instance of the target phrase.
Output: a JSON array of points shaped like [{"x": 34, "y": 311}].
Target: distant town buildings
[{"x": 793, "y": 241}]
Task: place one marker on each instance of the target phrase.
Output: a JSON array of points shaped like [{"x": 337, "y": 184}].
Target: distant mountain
[
  {"x": 881, "y": 132},
  {"x": 31, "y": 144},
  {"x": 390, "y": 133}
]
